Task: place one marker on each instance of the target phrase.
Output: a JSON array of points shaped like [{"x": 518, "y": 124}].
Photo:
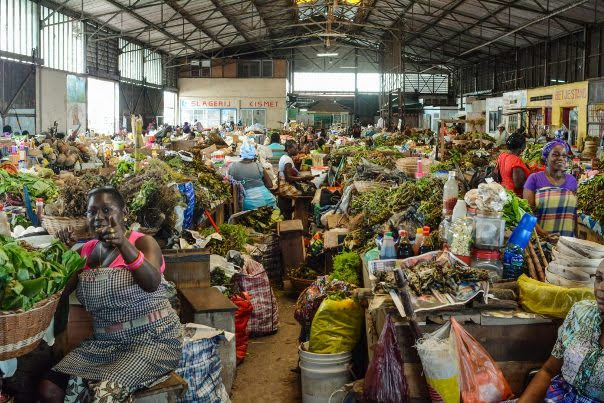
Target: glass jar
[
  {"x": 489, "y": 260},
  {"x": 461, "y": 231},
  {"x": 489, "y": 230}
]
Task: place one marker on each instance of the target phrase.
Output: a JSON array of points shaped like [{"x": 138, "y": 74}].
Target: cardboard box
[
  {"x": 337, "y": 221},
  {"x": 335, "y": 237}
]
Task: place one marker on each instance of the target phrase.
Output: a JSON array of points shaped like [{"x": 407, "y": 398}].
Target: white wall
[
  {"x": 51, "y": 104},
  {"x": 436, "y": 113},
  {"x": 258, "y": 93}
]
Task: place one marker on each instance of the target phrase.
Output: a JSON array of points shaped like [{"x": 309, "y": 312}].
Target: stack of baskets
[{"x": 21, "y": 332}]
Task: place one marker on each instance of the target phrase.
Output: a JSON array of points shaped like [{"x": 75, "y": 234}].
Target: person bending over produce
[
  {"x": 575, "y": 370},
  {"x": 552, "y": 194},
  {"x": 137, "y": 337},
  {"x": 512, "y": 169},
  {"x": 254, "y": 179},
  {"x": 288, "y": 174}
]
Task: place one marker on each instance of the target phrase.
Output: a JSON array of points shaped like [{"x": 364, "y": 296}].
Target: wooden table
[{"x": 517, "y": 345}]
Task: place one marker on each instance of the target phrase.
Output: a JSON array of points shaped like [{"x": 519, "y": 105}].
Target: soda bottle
[{"x": 405, "y": 249}]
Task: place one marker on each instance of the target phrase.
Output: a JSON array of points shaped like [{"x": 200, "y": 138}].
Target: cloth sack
[{"x": 253, "y": 279}]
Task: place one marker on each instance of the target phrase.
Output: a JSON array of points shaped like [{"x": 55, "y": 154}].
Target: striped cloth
[
  {"x": 557, "y": 210},
  {"x": 137, "y": 356}
]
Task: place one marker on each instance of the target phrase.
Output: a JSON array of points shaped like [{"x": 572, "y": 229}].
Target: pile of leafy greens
[
  {"x": 263, "y": 220},
  {"x": 514, "y": 209},
  {"x": 29, "y": 276},
  {"x": 346, "y": 267},
  {"x": 235, "y": 237},
  {"x": 13, "y": 184}
]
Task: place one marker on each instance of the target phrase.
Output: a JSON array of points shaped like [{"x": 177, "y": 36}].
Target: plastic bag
[
  {"x": 385, "y": 380},
  {"x": 491, "y": 196},
  {"x": 188, "y": 191},
  {"x": 548, "y": 299},
  {"x": 439, "y": 362},
  {"x": 242, "y": 316},
  {"x": 481, "y": 380},
  {"x": 336, "y": 327}
]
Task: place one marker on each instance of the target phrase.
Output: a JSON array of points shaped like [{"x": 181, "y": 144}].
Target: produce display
[
  {"x": 589, "y": 191},
  {"x": 532, "y": 155},
  {"x": 73, "y": 195},
  {"x": 234, "y": 237},
  {"x": 514, "y": 209},
  {"x": 263, "y": 220},
  {"x": 12, "y": 185},
  {"x": 28, "y": 276},
  {"x": 62, "y": 154},
  {"x": 347, "y": 267},
  {"x": 442, "y": 276}
]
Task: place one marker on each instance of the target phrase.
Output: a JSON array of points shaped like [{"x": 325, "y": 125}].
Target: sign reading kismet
[{"x": 262, "y": 104}]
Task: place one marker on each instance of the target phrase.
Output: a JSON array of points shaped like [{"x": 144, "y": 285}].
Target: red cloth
[
  {"x": 242, "y": 316},
  {"x": 506, "y": 162},
  {"x": 119, "y": 260}
]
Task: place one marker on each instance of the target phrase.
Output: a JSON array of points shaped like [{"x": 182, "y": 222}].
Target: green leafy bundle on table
[
  {"x": 346, "y": 267},
  {"x": 514, "y": 209},
  {"x": 28, "y": 276},
  {"x": 589, "y": 197},
  {"x": 234, "y": 237},
  {"x": 263, "y": 220},
  {"x": 532, "y": 155},
  {"x": 13, "y": 184}
]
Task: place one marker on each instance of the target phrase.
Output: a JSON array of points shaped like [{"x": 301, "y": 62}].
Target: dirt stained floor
[{"x": 267, "y": 373}]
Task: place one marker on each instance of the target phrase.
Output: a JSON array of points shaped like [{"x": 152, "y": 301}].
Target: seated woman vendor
[
  {"x": 552, "y": 193},
  {"x": 254, "y": 179},
  {"x": 575, "y": 370},
  {"x": 136, "y": 340},
  {"x": 288, "y": 174}
]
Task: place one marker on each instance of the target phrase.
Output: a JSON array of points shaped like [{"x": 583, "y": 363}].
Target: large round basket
[
  {"x": 53, "y": 224},
  {"x": 300, "y": 284},
  {"x": 590, "y": 149},
  {"x": 21, "y": 332},
  {"x": 368, "y": 186}
]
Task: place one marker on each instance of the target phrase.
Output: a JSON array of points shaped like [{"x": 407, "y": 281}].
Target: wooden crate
[
  {"x": 291, "y": 238},
  {"x": 583, "y": 232}
]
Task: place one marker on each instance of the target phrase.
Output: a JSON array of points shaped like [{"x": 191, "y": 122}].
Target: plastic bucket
[{"x": 323, "y": 374}]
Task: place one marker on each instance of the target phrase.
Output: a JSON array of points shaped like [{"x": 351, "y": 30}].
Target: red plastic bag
[
  {"x": 242, "y": 316},
  {"x": 480, "y": 379},
  {"x": 385, "y": 380}
]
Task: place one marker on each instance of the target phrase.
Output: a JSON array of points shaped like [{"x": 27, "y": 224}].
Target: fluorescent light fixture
[
  {"x": 327, "y": 54},
  {"x": 332, "y": 34},
  {"x": 303, "y": 110},
  {"x": 348, "y": 67}
]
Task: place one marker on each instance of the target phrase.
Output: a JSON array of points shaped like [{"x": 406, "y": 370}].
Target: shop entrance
[{"x": 570, "y": 119}]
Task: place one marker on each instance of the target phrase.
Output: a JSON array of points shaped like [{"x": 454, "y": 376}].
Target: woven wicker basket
[
  {"x": 300, "y": 284},
  {"x": 53, "y": 224},
  {"x": 21, "y": 332}
]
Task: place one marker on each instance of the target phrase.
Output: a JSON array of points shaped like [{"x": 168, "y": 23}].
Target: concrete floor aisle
[{"x": 266, "y": 373}]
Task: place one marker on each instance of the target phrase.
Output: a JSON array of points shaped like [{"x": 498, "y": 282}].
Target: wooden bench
[{"x": 168, "y": 391}]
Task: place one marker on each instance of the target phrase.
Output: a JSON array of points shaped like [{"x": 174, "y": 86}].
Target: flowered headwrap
[
  {"x": 550, "y": 146},
  {"x": 247, "y": 151}
]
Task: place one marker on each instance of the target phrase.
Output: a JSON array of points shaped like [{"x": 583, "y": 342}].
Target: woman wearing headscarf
[
  {"x": 253, "y": 178},
  {"x": 552, "y": 193},
  {"x": 512, "y": 169}
]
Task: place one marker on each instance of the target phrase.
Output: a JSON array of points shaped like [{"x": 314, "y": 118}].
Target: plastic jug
[
  {"x": 388, "y": 250},
  {"x": 523, "y": 232}
]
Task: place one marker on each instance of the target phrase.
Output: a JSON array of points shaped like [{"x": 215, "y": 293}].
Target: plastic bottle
[
  {"x": 39, "y": 208},
  {"x": 427, "y": 245},
  {"x": 388, "y": 250},
  {"x": 405, "y": 249},
  {"x": 4, "y": 225},
  {"x": 513, "y": 261},
  {"x": 419, "y": 239},
  {"x": 420, "y": 169},
  {"x": 450, "y": 194},
  {"x": 460, "y": 210}
]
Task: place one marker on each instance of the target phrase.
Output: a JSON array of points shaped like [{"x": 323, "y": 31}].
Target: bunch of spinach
[{"x": 29, "y": 276}]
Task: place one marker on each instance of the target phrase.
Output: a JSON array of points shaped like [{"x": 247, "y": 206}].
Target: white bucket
[{"x": 323, "y": 374}]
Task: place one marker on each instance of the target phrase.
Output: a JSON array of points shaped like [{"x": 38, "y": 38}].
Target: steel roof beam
[
  {"x": 231, "y": 20},
  {"x": 189, "y": 18}
]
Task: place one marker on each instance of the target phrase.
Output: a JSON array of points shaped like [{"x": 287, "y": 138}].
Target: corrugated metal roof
[{"x": 436, "y": 25}]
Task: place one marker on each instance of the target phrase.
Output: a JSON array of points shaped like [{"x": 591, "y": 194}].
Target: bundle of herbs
[
  {"x": 12, "y": 185},
  {"x": 73, "y": 197},
  {"x": 263, "y": 220},
  {"x": 151, "y": 196},
  {"x": 347, "y": 267},
  {"x": 234, "y": 237},
  {"x": 29, "y": 276},
  {"x": 588, "y": 192}
]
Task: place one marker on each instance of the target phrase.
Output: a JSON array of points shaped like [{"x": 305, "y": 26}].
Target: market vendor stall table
[
  {"x": 518, "y": 345},
  {"x": 301, "y": 209}
]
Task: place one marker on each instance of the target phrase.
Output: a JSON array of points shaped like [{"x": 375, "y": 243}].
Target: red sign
[
  {"x": 263, "y": 104},
  {"x": 570, "y": 94},
  {"x": 209, "y": 104}
]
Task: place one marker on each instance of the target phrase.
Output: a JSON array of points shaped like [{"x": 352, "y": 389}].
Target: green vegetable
[
  {"x": 29, "y": 276},
  {"x": 234, "y": 237},
  {"x": 587, "y": 195},
  {"x": 514, "y": 209},
  {"x": 37, "y": 187},
  {"x": 347, "y": 267},
  {"x": 263, "y": 220}
]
